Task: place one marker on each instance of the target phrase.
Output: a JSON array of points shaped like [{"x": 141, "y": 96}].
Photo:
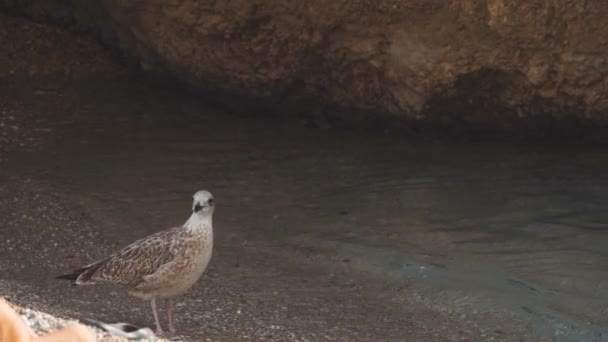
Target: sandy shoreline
[{"x": 234, "y": 310}]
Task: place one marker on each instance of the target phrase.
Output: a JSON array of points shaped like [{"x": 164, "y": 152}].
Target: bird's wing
[
  {"x": 165, "y": 272},
  {"x": 129, "y": 266}
]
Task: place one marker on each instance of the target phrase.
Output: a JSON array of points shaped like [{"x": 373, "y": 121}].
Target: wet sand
[{"x": 259, "y": 286}]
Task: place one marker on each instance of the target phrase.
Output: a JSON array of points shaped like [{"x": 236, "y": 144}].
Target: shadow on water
[{"x": 484, "y": 230}]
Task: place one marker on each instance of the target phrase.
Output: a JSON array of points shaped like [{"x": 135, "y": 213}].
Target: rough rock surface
[{"x": 478, "y": 63}]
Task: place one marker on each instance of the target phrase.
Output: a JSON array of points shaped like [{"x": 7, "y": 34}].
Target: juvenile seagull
[{"x": 162, "y": 265}]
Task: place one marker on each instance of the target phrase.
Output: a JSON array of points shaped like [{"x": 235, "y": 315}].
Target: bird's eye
[{"x": 210, "y": 201}]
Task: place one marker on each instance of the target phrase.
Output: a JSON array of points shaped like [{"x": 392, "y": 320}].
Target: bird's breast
[{"x": 195, "y": 253}]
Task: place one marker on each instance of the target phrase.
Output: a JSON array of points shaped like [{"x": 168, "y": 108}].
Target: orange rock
[{"x": 13, "y": 329}]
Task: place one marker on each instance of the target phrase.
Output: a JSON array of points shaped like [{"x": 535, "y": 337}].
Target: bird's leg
[
  {"x": 170, "y": 306},
  {"x": 159, "y": 329}
]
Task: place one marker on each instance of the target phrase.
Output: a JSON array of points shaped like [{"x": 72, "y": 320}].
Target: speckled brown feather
[{"x": 128, "y": 266}]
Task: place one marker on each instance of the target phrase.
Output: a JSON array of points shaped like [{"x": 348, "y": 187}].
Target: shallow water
[{"x": 483, "y": 231}]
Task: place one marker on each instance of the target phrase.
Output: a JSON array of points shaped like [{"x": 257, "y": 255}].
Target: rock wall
[{"x": 491, "y": 63}]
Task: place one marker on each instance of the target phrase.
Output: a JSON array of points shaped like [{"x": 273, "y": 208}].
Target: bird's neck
[{"x": 199, "y": 222}]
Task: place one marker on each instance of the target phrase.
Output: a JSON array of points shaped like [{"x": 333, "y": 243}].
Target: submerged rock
[{"x": 458, "y": 62}]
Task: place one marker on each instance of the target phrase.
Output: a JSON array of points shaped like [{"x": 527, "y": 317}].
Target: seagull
[{"x": 162, "y": 265}]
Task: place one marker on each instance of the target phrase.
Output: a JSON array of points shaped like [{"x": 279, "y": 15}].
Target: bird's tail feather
[
  {"x": 82, "y": 275},
  {"x": 70, "y": 276}
]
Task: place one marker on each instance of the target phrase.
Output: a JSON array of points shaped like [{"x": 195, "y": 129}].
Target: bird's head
[{"x": 203, "y": 203}]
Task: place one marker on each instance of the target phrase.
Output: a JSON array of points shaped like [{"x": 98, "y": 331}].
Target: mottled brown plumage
[
  {"x": 128, "y": 266},
  {"x": 162, "y": 265}
]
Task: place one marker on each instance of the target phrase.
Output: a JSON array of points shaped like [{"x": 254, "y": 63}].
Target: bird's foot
[
  {"x": 159, "y": 331},
  {"x": 166, "y": 334}
]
